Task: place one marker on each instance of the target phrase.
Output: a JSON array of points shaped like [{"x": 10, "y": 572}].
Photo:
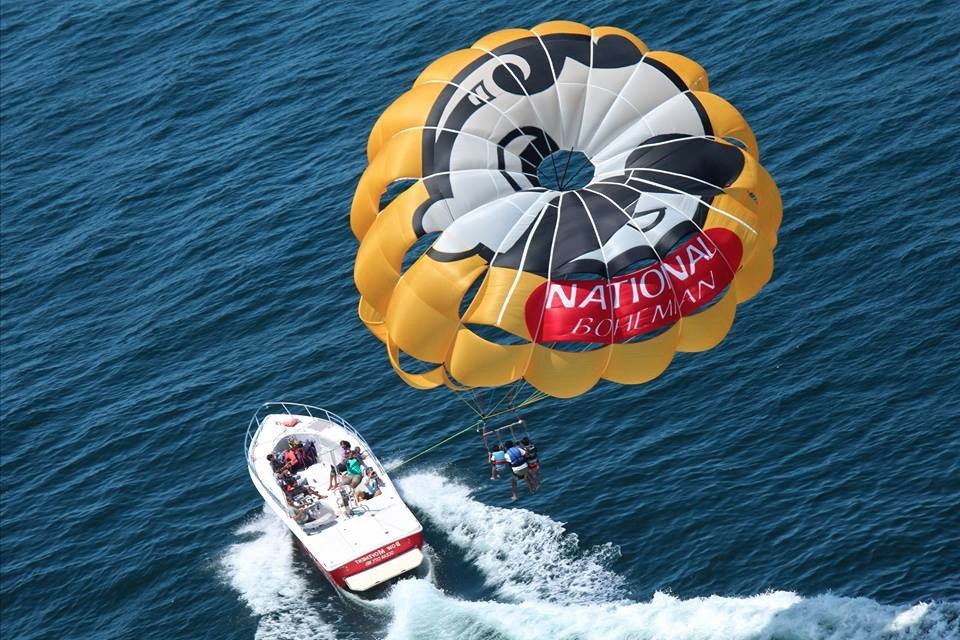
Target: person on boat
[
  {"x": 291, "y": 460},
  {"x": 301, "y": 456},
  {"x": 533, "y": 460},
  {"x": 342, "y": 456},
  {"x": 498, "y": 461},
  {"x": 358, "y": 454},
  {"x": 354, "y": 472},
  {"x": 294, "y": 486},
  {"x": 518, "y": 466},
  {"x": 276, "y": 465},
  {"x": 304, "y": 514},
  {"x": 341, "y": 466},
  {"x": 370, "y": 487}
]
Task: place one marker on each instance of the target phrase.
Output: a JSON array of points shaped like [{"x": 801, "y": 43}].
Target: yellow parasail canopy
[{"x": 483, "y": 272}]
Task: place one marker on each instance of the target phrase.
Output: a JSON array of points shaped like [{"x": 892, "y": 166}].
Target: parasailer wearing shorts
[
  {"x": 518, "y": 466},
  {"x": 498, "y": 461},
  {"x": 517, "y": 459},
  {"x": 533, "y": 459}
]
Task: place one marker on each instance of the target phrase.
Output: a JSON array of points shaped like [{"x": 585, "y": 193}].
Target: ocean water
[{"x": 175, "y": 181}]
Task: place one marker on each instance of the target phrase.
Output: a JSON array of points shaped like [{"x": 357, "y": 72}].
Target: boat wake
[
  {"x": 500, "y": 542},
  {"x": 261, "y": 568},
  {"x": 570, "y": 594}
]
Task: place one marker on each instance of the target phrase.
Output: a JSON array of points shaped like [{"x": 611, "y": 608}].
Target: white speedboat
[{"x": 356, "y": 544}]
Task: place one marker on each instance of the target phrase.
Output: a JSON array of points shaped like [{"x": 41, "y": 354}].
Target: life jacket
[
  {"x": 499, "y": 458},
  {"x": 515, "y": 455},
  {"x": 290, "y": 456}
]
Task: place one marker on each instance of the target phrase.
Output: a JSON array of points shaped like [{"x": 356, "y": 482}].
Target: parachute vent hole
[
  {"x": 419, "y": 248},
  {"x": 394, "y": 189},
  {"x": 565, "y": 171}
]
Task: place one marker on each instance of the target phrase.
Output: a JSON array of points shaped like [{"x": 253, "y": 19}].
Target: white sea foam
[
  {"x": 423, "y": 612},
  {"x": 570, "y": 594},
  {"x": 909, "y": 618},
  {"x": 262, "y": 571},
  {"x": 525, "y": 556}
]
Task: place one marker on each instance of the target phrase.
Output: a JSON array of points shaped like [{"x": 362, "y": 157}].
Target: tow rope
[{"x": 473, "y": 427}]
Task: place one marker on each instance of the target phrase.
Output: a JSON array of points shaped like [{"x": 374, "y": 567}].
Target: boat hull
[
  {"x": 339, "y": 576},
  {"x": 356, "y": 546}
]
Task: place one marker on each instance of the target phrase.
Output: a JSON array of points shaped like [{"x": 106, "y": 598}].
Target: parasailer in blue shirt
[{"x": 516, "y": 457}]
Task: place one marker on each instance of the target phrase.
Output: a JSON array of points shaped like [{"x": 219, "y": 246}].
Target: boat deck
[{"x": 350, "y": 539}]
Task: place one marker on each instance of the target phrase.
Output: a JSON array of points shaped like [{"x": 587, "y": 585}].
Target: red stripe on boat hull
[{"x": 389, "y": 551}]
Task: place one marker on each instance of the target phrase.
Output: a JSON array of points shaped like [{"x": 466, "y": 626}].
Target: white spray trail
[
  {"x": 525, "y": 556},
  {"x": 422, "y": 612},
  {"x": 565, "y": 594},
  {"x": 570, "y": 594},
  {"x": 263, "y": 573}
]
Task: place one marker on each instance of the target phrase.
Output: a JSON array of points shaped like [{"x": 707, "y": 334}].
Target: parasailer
[{"x": 488, "y": 270}]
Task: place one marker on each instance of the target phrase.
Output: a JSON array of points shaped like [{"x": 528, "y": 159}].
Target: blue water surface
[{"x": 176, "y": 183}]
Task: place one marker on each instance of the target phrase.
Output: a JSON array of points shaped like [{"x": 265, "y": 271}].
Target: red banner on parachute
[{"x": 636, "y": 303}]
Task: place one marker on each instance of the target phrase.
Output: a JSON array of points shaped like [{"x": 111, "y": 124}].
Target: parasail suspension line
[{"x": 537, "y": 397}]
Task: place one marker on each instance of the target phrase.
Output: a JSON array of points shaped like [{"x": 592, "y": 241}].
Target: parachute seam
[
  {"x": 680, "y": 192},
  {"x": 733, "y": 271},
  {"x": 686, "y": 136},
  {"x": 523, "y": 257},
  {"x": 650, "y": 145},
  {"x": 502, "y": 113},
  {"x": 653, "y": 248},
  {"x": 506, "y": 199},
  {"x": 543, "y": 311},
  {"x": 645, "y": 122},
  {"x": 606, "y": 268},
  {"x": 553, "y": 72},
  {"x": 487, "y": 169},
  {"x": 583, "y": 104},
  {"x": 470, "y": 135},
  {"x": 523, "y": 87},
  {"x": 682, "y": 175},
  {"x": 617, "y": 96}
]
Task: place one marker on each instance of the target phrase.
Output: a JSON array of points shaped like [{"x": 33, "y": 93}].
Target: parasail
[{"x": 480, "y": 266}]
